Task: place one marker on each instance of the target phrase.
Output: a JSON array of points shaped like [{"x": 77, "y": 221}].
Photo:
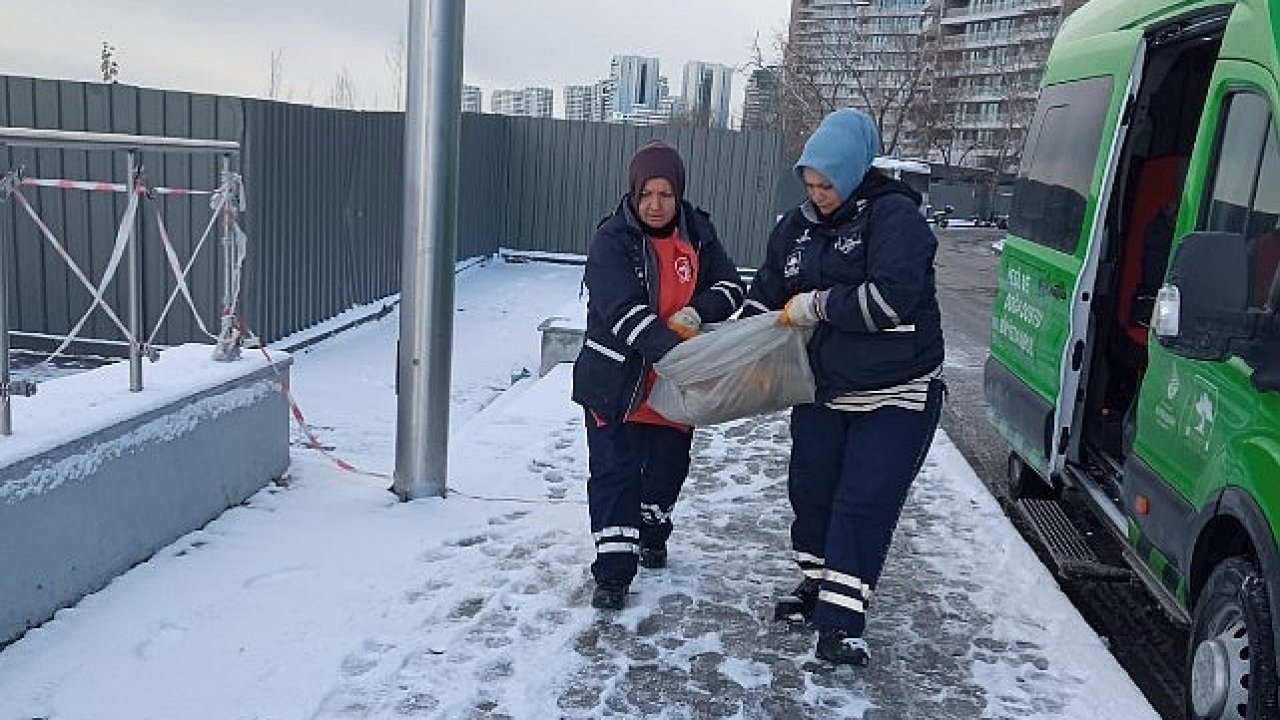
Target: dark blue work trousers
[
  {"x": 849, "y": 477},
  {"x": 637, "y": 470}
]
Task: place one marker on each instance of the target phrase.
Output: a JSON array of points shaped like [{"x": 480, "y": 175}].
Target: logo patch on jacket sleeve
[{"x": 791, "y": 267}]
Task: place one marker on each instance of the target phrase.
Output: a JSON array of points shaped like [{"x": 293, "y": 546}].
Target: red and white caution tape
[
  {"x": 313, "y": 442},
  {"x": 117, "y": 252},
  {"x": 92, "y": 186},
  {"x": 179, "y": 273}
]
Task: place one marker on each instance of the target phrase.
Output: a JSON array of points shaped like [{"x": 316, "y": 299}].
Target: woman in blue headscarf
[{"x": 855, "y": 262}]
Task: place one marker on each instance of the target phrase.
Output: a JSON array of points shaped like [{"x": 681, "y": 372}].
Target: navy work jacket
[
  {"x": 624, "y": 334},
  {"x": 875, "y": 257}
]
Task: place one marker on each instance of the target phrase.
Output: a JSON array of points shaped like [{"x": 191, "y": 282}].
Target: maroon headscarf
[{"x": 655, "y": 159}]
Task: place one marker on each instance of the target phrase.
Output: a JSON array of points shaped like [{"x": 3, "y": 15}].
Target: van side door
[{"x": 1048, "y": 266}]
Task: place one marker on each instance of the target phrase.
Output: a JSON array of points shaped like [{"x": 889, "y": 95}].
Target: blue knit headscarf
[{"x": 841, "y": 149}]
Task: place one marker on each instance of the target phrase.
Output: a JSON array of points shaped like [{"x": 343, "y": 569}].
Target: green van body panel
[{"x": 1202, "y": 431}]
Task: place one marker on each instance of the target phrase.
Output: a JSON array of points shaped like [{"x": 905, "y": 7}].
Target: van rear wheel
[{"x": 1232, "y": 664}]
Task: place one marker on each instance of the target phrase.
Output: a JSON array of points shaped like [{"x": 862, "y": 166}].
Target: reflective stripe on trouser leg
[
  {"x": 883, "y": 452},
  {"x": 817, "y": 443},
  {"x": 810, "y": 565},
  {"x": 665, "y": 465},
  {"x": 613, "y": 499}
]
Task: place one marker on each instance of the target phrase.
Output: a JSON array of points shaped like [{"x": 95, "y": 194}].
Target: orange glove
[
  {"x": 685, "y": 322},
  {"x": 801, "y": 310}
]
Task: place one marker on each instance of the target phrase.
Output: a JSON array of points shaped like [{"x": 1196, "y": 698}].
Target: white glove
[
  {"x": 801, "y": 310},
  {"x": 685, "y": 322}
]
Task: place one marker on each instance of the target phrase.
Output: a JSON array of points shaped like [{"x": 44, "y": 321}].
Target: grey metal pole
[
  {"x": 228, "y": 346},
  {"x": 135, "y": 286},
  {"x": 8, "y": 386},
  {"x": 6, "y": 408},
  {"x": 430, "y": 245}
]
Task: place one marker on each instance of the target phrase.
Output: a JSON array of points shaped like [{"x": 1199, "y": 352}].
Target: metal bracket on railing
[
  {"x": 150, "y": 352},
  {"x": 18, "y": 388},
  {"x": 229, "y": 341},
  {"x": 10, "y": 182},
  {"x": 139, "y": 181}
]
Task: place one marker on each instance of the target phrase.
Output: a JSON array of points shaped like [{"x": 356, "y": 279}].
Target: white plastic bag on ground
[{"x": 745, "y": 367}]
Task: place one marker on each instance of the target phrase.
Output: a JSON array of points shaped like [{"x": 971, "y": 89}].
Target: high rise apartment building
[
  {"x": 531, "y": 102},
  {"x": 991, "y": 54},
  {"x": 865, "y": 54},
  {"x": 705, "y": 93},
  {"x": 588, "y": 102},
  {"x": 952, "y": 80},
  {"x": 762, "y": 100},
  {"x": 472, "y": 99},
  {"x": 638, "y": 88}
]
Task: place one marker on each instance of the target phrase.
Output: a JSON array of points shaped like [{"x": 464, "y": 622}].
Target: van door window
[
  {"x": 1246, "y": 188},
  {"x": 1264, "y": 228},
  {"x": 1236, "y": 170},
  {"x": 1062, "y": 150}
]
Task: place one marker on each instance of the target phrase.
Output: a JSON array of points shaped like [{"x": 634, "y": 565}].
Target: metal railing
[{"x": 133, "y": 146}]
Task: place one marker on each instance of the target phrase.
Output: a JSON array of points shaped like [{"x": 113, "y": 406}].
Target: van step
[{"x": 1070, "y": 551}]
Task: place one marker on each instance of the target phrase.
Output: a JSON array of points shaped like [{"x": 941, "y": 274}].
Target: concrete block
[{"x": 96, "y": 479}]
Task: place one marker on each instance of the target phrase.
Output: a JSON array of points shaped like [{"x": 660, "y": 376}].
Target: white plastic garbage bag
[{"x": 743, "y": 368}]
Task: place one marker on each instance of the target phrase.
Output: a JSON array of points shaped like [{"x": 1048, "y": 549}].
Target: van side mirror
[{"x": 1208, "y": 281}]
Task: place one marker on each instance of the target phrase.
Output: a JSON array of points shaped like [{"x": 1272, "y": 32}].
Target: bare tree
[
  {"x": 764, "y": 77},
  {"x": 801, "y": 100},
  {"x": 275, "y": 75},
  {"x": 343, "y": 92},
  {"x": 107, "y": 65},
  {"x": 851, "y": 62},
  {"x": 935, "y": 124},
  {"x": 395, "y": 58},
  {"x": 888, "y": 73}
]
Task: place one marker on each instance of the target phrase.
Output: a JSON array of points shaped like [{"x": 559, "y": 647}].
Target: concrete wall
[{"x": 76, "y": 513}]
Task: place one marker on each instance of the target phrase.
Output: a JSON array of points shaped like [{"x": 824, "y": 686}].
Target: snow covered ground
[{"x": 323, "y": 597}]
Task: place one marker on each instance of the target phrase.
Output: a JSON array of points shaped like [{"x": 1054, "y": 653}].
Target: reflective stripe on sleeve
[
  {"x": 732, "y": 300},
  {"x": 880, "y": 302},
  {"x": 631, "y": 339},
  {"x": 611, "y": 354},
  {"x": 617, "y": 328},
  {"x": 862, "y": 305}
]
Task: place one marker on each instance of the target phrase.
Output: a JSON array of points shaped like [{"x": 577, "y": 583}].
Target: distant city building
[
  {"x": 706, "y": 93},
  {"x": 974, "y": 65},
  {"x": 638, "y": 88},
  {"x": 763, "y": 100},
  {"x": 472, "y": 99},
  {"x": 529, "y": 102},
  {"x": 588, "y": 102},
  {"x": 991, "y": 57}
]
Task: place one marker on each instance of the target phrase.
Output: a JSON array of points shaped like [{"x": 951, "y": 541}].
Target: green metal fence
[{"x": 324, "y": 192}]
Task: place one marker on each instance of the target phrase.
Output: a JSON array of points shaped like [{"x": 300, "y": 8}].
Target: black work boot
[
  {"x": 653, "y": 556},
  {"x": 798, "y": 607},
  {"x": 609, "y": 596},
  {"x": 839, "y": 648}
]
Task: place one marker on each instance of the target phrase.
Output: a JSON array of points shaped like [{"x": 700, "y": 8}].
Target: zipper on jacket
[{"x": 653, "y": 305}]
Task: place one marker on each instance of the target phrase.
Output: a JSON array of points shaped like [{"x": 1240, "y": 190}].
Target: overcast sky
[{"x": 225, "y": 46}]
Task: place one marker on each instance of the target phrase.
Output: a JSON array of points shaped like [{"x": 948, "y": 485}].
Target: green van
[{"x": 1135, "y": 344}]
